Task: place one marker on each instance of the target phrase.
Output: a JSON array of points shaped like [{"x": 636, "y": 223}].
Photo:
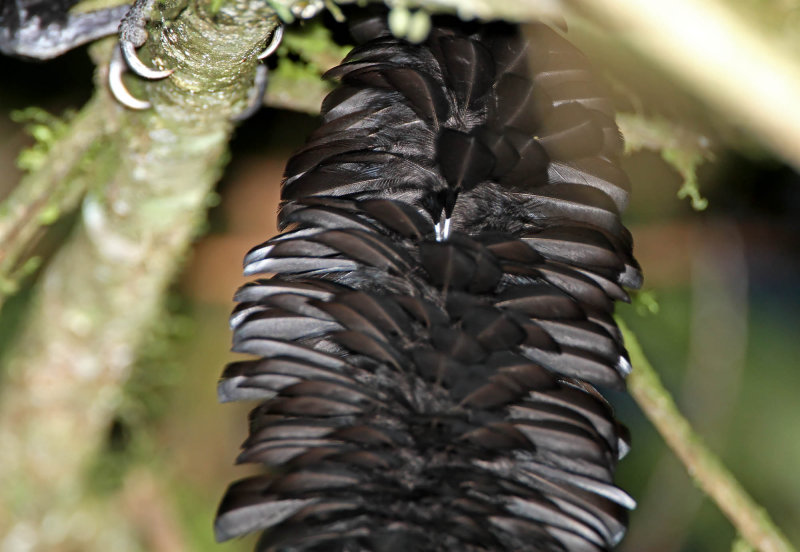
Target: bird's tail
[{"x": 428, "y": 350}]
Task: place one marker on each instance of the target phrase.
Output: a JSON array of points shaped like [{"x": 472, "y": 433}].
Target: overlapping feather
[{"x": 430, "y": 387}]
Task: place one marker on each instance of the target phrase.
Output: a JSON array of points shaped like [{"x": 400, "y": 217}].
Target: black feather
[{"x": 432, "y": 387}]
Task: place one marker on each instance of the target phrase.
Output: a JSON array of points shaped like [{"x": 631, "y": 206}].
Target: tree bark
[{"x": 106, "y": 283}]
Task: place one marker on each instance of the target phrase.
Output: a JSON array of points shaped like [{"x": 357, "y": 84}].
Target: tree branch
[
  {"x": 733, "y": 68},
  {"x": 106, "y": 283},
  {"x": 55, "y": 188},
  {"x": 707, "y": 471}
]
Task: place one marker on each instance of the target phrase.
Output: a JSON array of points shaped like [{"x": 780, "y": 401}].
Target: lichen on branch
[{"x": 105, "y": 285}]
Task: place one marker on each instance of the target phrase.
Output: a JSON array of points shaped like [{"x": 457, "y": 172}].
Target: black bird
[{"x": 429, "y": 348}]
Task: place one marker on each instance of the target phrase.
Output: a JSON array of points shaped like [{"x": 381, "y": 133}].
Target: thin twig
[{"x": 705, "y": 468}]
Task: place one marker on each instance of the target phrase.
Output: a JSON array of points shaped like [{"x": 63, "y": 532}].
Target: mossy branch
[
  {"x": 704, "y": 467},
  {"x": 50, "y": 190},
  {"x": 681, "y": 148},
  {"x": 723, "y": 58},
  {"x": 141, "y": 209}
]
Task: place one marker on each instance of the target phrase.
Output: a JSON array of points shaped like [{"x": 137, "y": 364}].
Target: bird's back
[{"x": 428, "y": 350}]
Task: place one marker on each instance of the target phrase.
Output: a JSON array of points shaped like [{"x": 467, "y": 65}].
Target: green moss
[
  {"x": 94, "y": 5},
  {"x": 314, "y": 45},
  {"x": 645, "y": 302},
  {"x": 46, "y": 129},
  {"x": 683, "y": 149},
  {"x": 296, "y": 86},
  {"x": 686, "y": 163},
  {"x": 215, "y": 5},
  {"x": 414, "y": 26}
]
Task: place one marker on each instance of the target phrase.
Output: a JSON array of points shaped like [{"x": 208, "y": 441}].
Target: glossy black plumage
[{"x": 440, "y": 315}]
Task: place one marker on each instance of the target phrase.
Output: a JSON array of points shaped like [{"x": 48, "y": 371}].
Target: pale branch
[
  {"x": 55, "y": 188},
  {"x": 709, "y": 474},
  {"x": 509, "y": 10},
  {"x": 106, "y": 283},
  {"x": 735, "y": 69}
]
